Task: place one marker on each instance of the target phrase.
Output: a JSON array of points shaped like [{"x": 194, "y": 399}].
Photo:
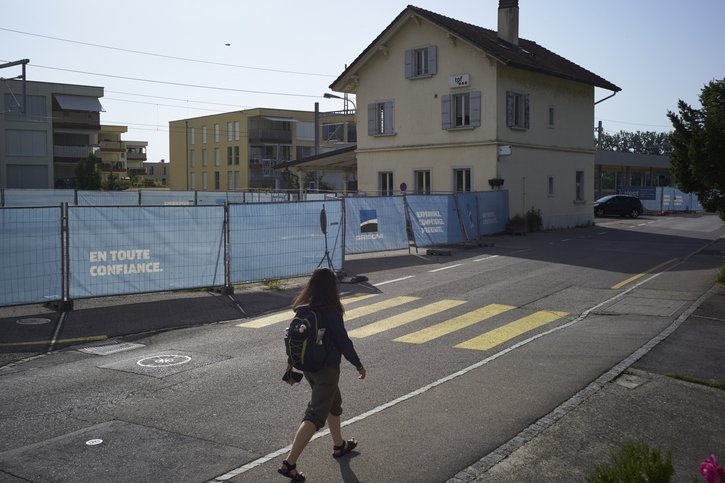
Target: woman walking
[{"x": 321, "y": 295}]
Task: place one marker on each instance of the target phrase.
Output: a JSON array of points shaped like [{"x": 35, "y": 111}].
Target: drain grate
[{"x": 108, "y": 347}]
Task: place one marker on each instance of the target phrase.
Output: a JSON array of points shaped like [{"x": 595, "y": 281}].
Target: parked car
[{"x": 622, "y": 205}]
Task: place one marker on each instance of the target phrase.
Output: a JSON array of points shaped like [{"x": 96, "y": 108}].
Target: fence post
[
  {"x": 228, "y": 288},
  {"x": 65, "y": 304}
]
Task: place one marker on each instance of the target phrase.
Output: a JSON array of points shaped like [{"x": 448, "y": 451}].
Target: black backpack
[{"x": 303, "y": 341}]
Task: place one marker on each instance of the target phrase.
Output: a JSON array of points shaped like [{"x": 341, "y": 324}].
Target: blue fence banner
[
  {"x": 124, "y": 250},
  {"x": 493, "y": 211},
  {"x": 167, "y": 198},
  {"x": 107, "y": 198},
  {"x": 374, "y": 224},
  {"x": 434, "y": 219},
  {"x": 30, "y": 256},
  {"x": 277, "y": 240},
  {"x": 468, "y": 210},
  {"x": 38, "y": 197}
]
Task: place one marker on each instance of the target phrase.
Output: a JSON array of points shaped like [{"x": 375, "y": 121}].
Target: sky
[{"x": 163, "y": 60}]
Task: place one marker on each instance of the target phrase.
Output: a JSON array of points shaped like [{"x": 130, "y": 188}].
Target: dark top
[{"x": 339, "y": 343}]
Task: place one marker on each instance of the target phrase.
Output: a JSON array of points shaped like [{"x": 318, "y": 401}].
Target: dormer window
[{"x": 421, "y": 62}]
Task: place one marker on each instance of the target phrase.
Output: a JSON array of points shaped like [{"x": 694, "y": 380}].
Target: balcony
[
  {"x": 116, "y": 167},
  {"x": 74, "y": 152},
  {"x": 266, "y": 135},
  {"x": 115, "y": 146},
  {"x": 131, "y": 156}
]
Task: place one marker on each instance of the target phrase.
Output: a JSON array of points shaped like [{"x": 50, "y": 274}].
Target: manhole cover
[
  {"x": 164, "y": 360},
  {"x": 33, "y": 321}
]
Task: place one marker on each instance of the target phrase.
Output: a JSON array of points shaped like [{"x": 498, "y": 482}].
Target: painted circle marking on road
[
  {"x": 94, "y": 442},
  {"x": 33, "y": 321},
  {"x": 163, "y": 360}
]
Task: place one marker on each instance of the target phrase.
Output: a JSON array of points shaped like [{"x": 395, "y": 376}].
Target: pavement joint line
[{"x": 505, "y": 450}]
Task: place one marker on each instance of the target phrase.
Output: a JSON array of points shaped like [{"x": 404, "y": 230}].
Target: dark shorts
[{"x": 326, "y": 398}]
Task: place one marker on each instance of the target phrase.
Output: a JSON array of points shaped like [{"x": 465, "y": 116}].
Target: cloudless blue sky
[{"x": 285, "y": 53}]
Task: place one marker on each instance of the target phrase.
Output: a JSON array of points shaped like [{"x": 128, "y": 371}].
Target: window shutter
[
  {"x": 432, "y": 60},
  {"x": 388, "y": 114},
  {"x": 510, "y": 108},
  {"x": 408, "y": 64},
  {"x": 446, "y": 111},
  {"x": 475, "y": 98},
  {"x": 372, "y": 119},
  {"x": 526, "y": 111}
]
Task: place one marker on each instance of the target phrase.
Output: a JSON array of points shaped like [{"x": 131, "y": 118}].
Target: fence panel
[
  {"x": 375, "y": 224},
  {"x": 434, "y": 219},
  {"x": 37, "y": 197},
  {"x": 30, "y": 256},
  {"x": 107, "y": 198},
  {"x": 167, "y": 198},
  {"x": 276, "y": 240},
  {"x": 124, "y": 250}
]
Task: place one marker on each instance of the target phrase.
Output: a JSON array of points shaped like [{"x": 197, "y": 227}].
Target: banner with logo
[
  {"x": 124, "y": 250},
  {"x": 375, "y": 224},
  {"x": 434, "y": 219},
  {"x": 30, "y": 256},
  {"x": 468, "y": 209},
  {"x": 493, "y": 211},
  {"x": 278, "y": 240}
]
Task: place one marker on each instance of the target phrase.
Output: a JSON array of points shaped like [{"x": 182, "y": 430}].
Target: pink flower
[{"x": 711, "y": 471}]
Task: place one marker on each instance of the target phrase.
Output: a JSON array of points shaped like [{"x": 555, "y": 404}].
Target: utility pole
[{"x": 600, "y": 130}]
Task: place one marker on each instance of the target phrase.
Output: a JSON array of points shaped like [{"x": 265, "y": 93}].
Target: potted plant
[
  {"x": 495, "y": 183},
  {"x": 517, "y": 225}
]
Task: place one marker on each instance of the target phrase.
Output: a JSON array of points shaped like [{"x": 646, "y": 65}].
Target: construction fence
[{"x": 82, "y": 250}]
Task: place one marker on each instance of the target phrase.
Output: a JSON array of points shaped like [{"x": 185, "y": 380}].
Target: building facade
[
  {"x": 239, "y": 150},
  {"x": 45, "y": 133},
  {"x": 446, "y": 106}
]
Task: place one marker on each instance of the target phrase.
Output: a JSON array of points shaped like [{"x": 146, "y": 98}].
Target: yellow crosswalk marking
[
  {"x": 454, "y": 324},
  {"x": 372, "y": 308},
  {"x": 509, "y": 331},
  {"x": 287, "y": 314},
  {"x": 404, "y": 318}
]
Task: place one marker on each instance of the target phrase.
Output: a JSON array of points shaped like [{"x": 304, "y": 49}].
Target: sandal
[
  {"x": 344, "y": 448},
  {"x": 287, "y": 470}
]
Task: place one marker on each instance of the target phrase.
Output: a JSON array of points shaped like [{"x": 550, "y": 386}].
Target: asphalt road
[{"x": 462, "y": 353}]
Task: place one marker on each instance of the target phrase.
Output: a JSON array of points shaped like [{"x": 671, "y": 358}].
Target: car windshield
[{"x": 605, "y": 198}]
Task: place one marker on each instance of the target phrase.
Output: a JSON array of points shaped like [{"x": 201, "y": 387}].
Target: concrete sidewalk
[{"x": 663, "y": 399}]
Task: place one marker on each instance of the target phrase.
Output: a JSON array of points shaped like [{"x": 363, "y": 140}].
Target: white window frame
[
  {"x": 230, "y": 132},
  {"x": 203, "y": 134},
  {"x": 421, "y": 62},
  {"x": 466, "y": 181},
  {"x": 381, "y": 118},
  {"x": 192, "y": 158},
  {"x": 517, "y": 110},
  {"x": 216, "y": 156},
  {"x": 461, "y": 110},
  {"x": 192, "y": 135},
  {"x": 216, "y": 132},
  {"x": 422, "y": 179},
  {"x": 203, "y": 158},
  {"x": 236, "y": 130},
  {"x": 385, "y": 183}
]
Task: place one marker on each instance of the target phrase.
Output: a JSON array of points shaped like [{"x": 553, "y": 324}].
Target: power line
[
  {"x": 166, "y": 56},
  {"x": 181, "y": 84},
  {"x": 173, "y": 98}
]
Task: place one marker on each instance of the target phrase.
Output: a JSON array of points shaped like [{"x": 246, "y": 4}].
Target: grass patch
[
  {"x": 636, "y": 463},
  {"x": 716, "y": 383},
  {"x": 721, "y": 277},
  {"x": 273, "y": 284}
]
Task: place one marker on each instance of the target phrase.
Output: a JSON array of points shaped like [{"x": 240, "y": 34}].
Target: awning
[
  {"x": 280, "y": 119},
  {"x": 78, "y": 103}
]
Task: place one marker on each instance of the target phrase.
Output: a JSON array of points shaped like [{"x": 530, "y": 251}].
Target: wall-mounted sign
[
  {"x": 458, "y": 80},
  {"x": 504, "y": 150}
]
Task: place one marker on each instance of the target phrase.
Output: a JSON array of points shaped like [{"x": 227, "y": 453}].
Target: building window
[
  {"x": 462, "y": 180},
  {"x": 204, "y": 181},
  {"x": 192, "y": 180},
  {"x": 517, "y": 110},
  {"x": 579, "y": 186},
  {"x": 385, "y": 183},
  {"x": 230, "y": 155},
  {"x": 217, "y": 180},
  {"x": 461, "y": 110},
  {"x": 236, "y": 130},
  {"x": 192, "y": 135},
  {"x": 192, "y": 158},
  {"x": 203, "y": 134},
  {"x": 230, "y": 180},
  {"x": 551, "y": 186},
  {"x": 203, "y": 158},
  {"x": 380, "y": 118},
  {"x": 421, "y": 62},
  {"x": 236, "y": 155},
  {"x": 550, "y": 117},
  {"x": 216, "y": 157},
  {"x": 216, "y": 133},
  {"x": 237, "y": 180},
  {"x": 422, "y": 182},
  {"x": 35, "y": 109},
  {"x": 230, "y": 131}
]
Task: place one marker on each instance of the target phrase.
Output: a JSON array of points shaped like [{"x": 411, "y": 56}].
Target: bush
[
  {"x": 534, "y": 219},
  {"x": 635, "y": 463}
]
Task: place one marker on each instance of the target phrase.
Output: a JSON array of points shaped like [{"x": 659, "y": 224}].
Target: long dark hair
[{"x": 321, "y": 291}]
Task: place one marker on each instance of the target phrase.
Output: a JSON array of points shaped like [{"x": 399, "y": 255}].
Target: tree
[
  {"x": 87, "y": 175},
  {"x": 640, "y": 142},
  {"x": 698, "y": 147}
]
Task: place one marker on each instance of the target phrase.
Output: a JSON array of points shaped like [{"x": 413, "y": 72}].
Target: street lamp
[{"x": 327, "y": 95}]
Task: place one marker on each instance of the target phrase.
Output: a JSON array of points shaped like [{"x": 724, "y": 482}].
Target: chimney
[{"x": 508, "y": 21}]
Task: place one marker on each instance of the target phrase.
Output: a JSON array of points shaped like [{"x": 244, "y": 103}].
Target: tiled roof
[{"x": 526, "y": 55}]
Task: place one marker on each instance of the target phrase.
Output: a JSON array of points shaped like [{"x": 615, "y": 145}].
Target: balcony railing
[
  {"x": 270, "y": 135},
  {"x": 77, "y": 152},
  {"x": 136, "y": 156},
  {"x": 113, "y": 146}
]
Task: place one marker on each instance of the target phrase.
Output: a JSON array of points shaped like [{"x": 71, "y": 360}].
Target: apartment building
[
  {"x": 46, "y": 132},
  {"x": 239, "y": 150}
]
